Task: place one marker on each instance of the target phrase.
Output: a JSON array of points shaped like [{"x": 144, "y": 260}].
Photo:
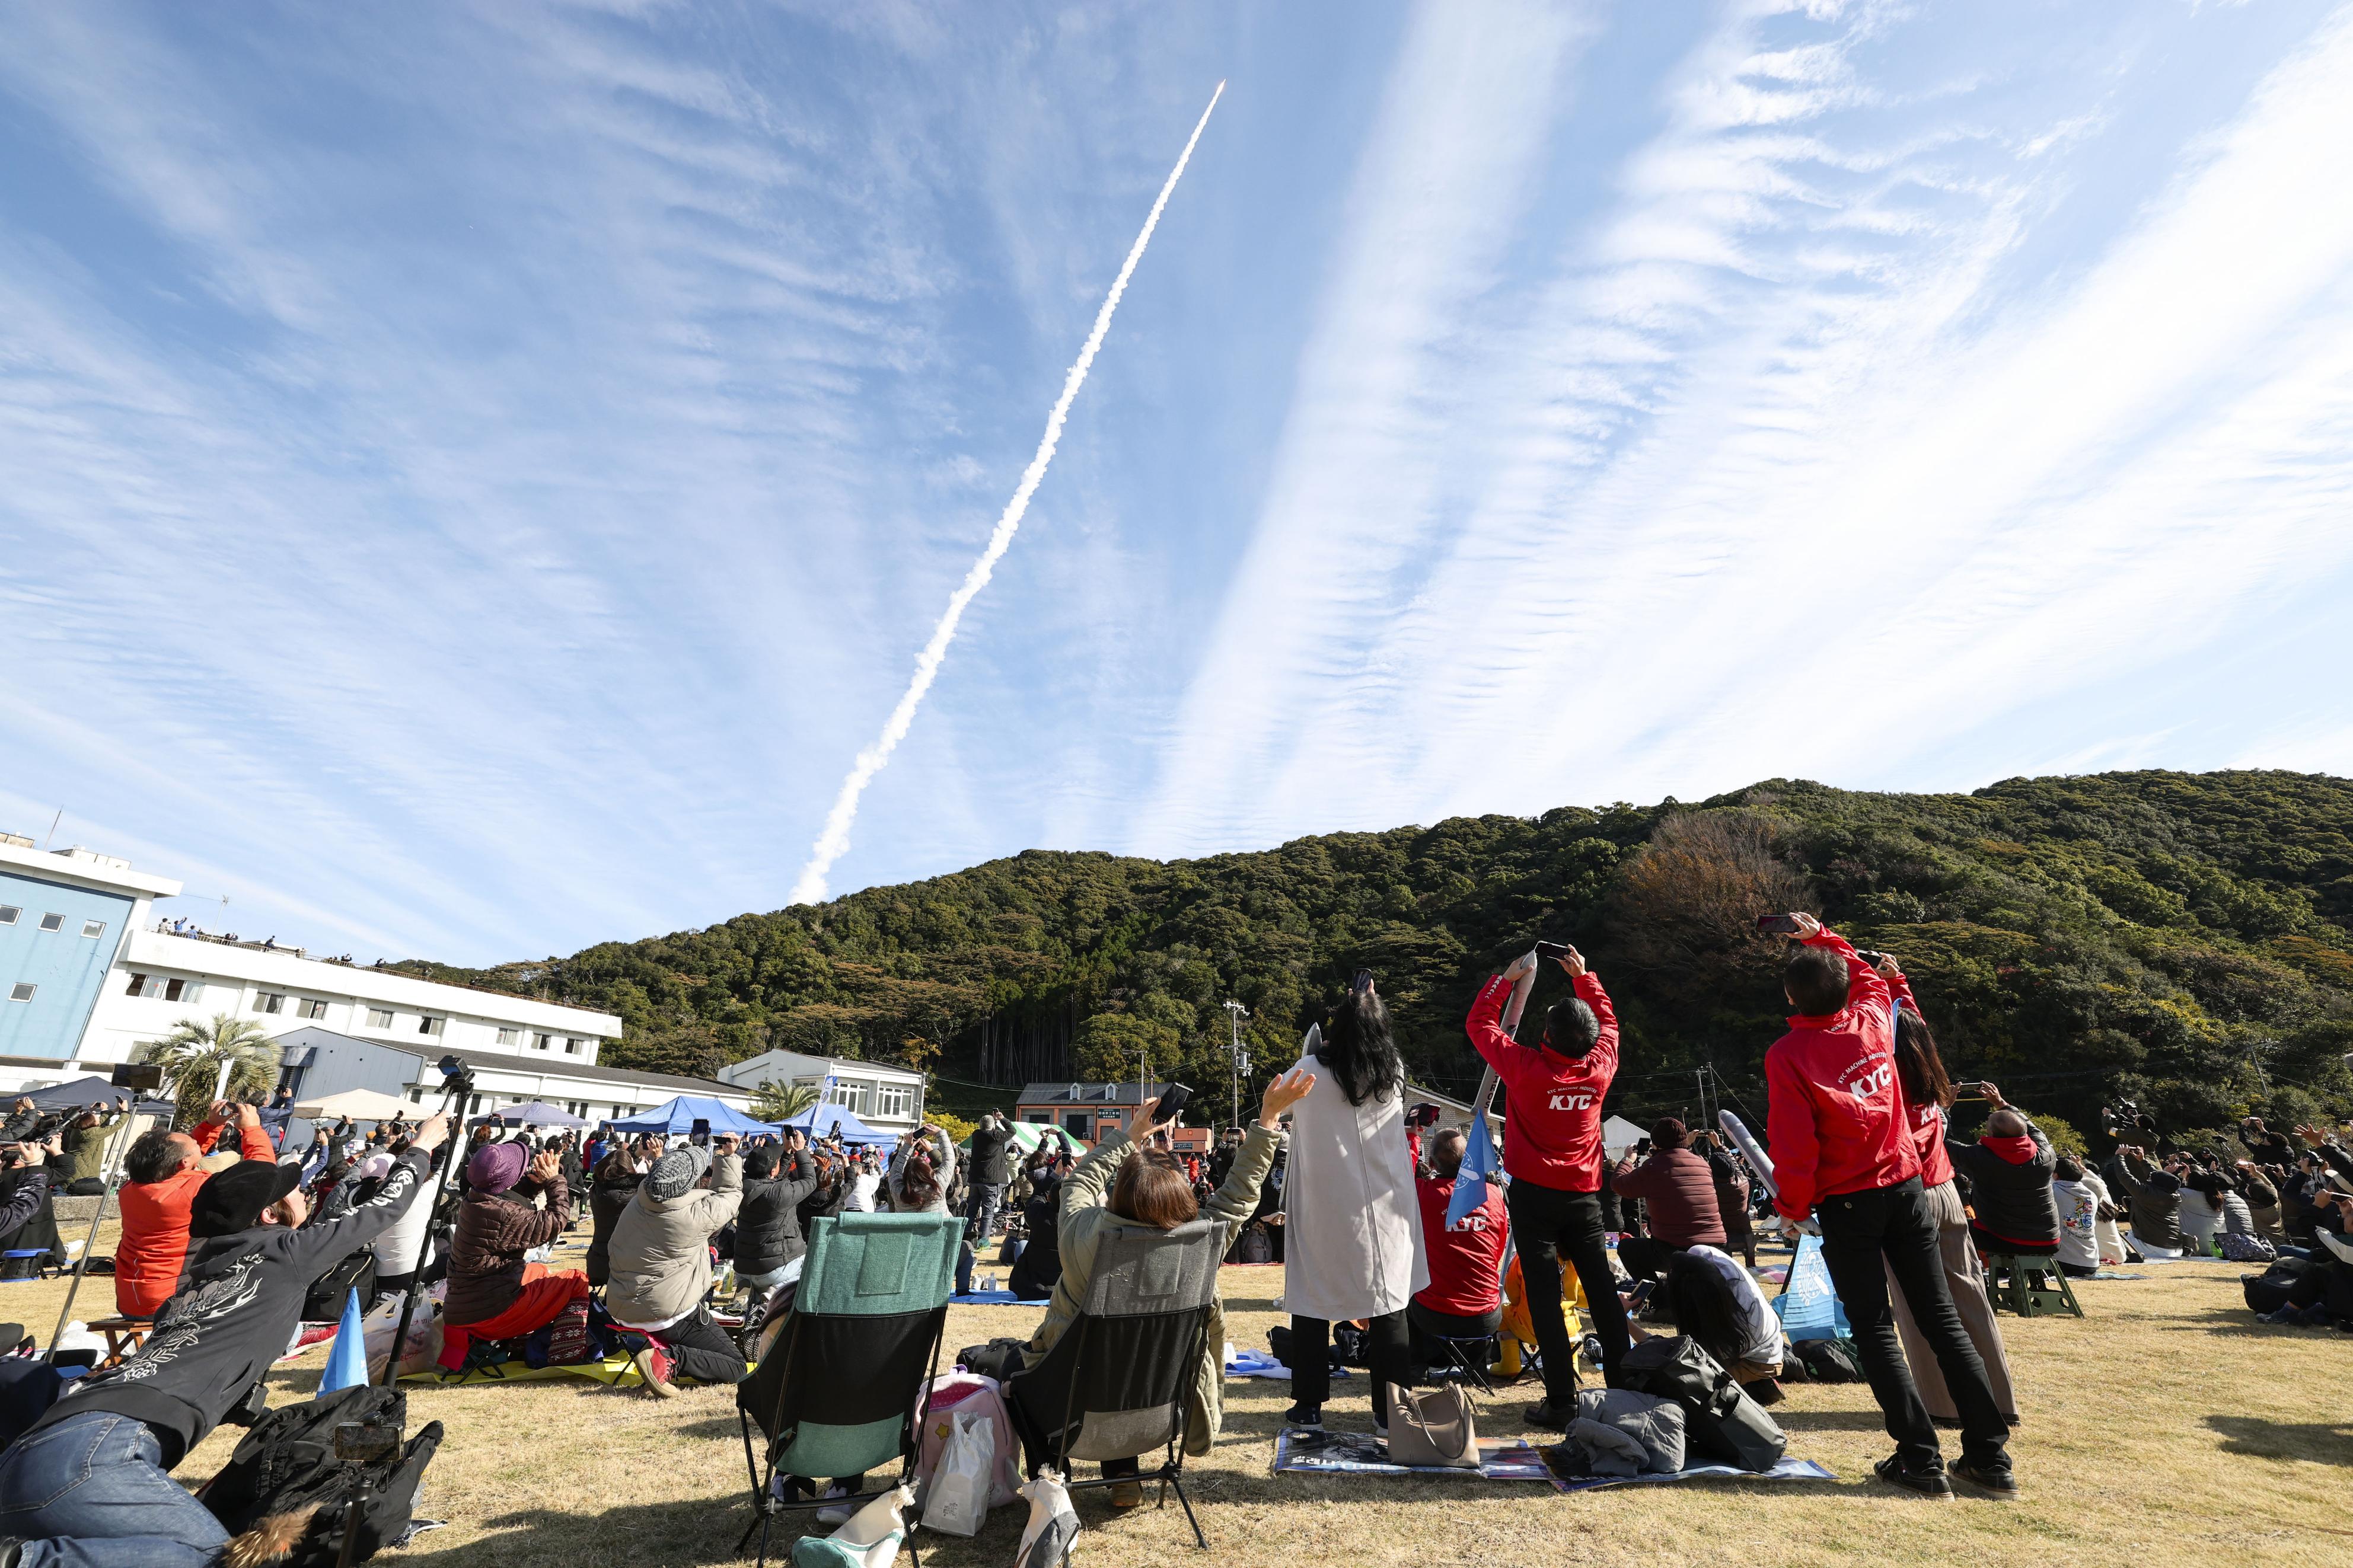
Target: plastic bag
[
  {"x": 1053, "y": 1527},
  {"x": 870, "y": 1540},
  {"x": 955, "y": 1394},
  {"x": 957, "y": 1503}
]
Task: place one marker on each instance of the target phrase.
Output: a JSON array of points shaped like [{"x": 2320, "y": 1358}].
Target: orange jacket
[{"x": 155, "y": 1226}]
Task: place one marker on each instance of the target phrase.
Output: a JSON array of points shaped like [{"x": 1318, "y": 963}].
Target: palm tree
[
  {"x": 780, "y": 1101},
  {"x": 195, "y": 1053}
]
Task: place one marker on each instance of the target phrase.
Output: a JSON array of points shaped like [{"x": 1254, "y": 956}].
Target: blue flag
[
  {"x": 347, "y": 1361},
  {"x": 1810, "y": 1307},
  {"x": 1478, "y": 1168}
]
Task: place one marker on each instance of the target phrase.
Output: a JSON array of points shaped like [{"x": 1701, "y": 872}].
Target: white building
[
  {"x": 89, "y": 973},
  {"x": 887, "y": 1099}
]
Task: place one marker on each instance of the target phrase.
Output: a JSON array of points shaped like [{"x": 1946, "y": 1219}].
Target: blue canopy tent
[
  {"x": 676, "y": 1118},
  {"x": 822, "y": 1118}
]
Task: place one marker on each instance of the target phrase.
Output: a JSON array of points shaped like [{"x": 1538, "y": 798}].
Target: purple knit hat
[{"x": 495, "y": 1167}]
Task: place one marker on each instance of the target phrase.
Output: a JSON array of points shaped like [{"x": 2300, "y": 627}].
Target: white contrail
[{"x": 833, "y": 842}]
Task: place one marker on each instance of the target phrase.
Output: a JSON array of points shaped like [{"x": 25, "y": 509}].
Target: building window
[
  {"x": 8, "y": 913},
  {"x": 53, "y": 922},
  {"x": 313, "y": 1008},
  {"x": 164, "y": 990},
  {"x": 183, "y": 990},
  {"x": 138, "y": 987},
  {"x": 571, "y": 1046},
  {"x": 93, "y": 928},
  {"x": 1039, "y": 1117},
  {"x": 417, "y": 1095},
  {"x": 473, "y": 1104},
  {"x": 21, "y": 991},
  {"x": 542, "y": 1042},
  {"x": 893, "y": 1099},
  {"x": 509, "y": 1037},
  {"x": 429, "y": 1026},
  {"x": 379, "y": 1018},
  {"x": 269, "y": 1001}
]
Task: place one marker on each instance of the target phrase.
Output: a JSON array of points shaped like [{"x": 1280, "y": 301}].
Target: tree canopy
[{"x": 2183, "y": 938}]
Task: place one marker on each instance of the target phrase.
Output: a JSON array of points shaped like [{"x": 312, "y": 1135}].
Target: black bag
[
  {"x": 1253, "y": 1246},
  {"x": 286, "y": 1463},
  {"x": 2284, "y": 1282},
  {"x": 323, "y": 1302},
  {"x": 999, "y": 1358},
  {"x": 1720, "y": 1419},
  {"x": 1829, "y": 1361}
]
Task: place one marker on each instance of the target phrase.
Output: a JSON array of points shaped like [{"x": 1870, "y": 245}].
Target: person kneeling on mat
[
  {"x": 660, "y": 1259},
  {"x": 88, "y": 1484}
]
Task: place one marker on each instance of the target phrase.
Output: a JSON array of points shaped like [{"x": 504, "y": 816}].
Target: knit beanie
[
  {"x": 495, "y": 1167},
  {"x": 677, "y": 1171}
]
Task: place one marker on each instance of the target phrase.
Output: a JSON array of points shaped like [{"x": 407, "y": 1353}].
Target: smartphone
[
  {"x": 1870, "y": 957},
  {"x": 1782, "y": 925},
  {"x": 1553, "y": 950},
  {"x": 701, "y": 1132},
  {"x": 1172, "y": 1101}
]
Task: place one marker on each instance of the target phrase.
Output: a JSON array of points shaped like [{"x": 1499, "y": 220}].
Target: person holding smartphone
[
  {"x": 1353, "y": 1231},
  {"x": 1552, "y": 1151},
  {"x": 1845, "y": 1155}
]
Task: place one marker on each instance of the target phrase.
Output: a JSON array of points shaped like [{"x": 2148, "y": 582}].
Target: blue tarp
[
  {"x": 677, "y": 1118},
  {"x": 821, "y": 1118}
]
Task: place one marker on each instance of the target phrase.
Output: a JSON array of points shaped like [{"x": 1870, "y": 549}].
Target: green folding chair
[
  {"x": 837, "y": 1396},
  {"x": 2031, "y": 1285}
]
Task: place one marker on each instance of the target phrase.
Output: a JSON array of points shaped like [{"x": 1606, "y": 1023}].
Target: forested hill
[{"x": 2187, "y": 939}]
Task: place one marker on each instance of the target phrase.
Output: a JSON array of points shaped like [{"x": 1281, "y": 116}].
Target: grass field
[{"x": 2166, "y": 1428}]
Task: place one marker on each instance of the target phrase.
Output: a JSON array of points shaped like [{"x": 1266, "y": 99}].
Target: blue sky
[{"x": 473, "y": 478}]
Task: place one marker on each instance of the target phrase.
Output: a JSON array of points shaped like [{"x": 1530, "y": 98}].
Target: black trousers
[
  {"x": 1311, "y": 1359},
  {"x": 701, "y": 1350},
  {"x": 1549, "y": 1225},
  {"x": 1894, "y": 1224},
  {"x": 1425, "y": 1327},
  {"x": 1038, "y": 1445}
]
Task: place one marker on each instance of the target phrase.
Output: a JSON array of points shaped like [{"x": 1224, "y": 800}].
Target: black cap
[{"x": 232, "y": 1200}]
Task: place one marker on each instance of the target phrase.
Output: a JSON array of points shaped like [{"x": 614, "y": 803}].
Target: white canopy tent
[{"x": 359, "y": 1104}]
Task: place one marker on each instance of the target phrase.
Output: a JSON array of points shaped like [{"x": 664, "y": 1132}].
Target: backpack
[
  {"x": 2277, "y": 1286},
  {"x": 323, "y": 1302},
  {"x": 1829, "y": 1361},
  {"x": 1255, "y": 1246},
  {"x": 287, "y": 1464},
  {"x": 1720, "y": 1420}
]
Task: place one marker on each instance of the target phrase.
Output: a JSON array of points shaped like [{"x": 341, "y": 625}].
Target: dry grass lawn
[{"x": 2166, "y": 1428}]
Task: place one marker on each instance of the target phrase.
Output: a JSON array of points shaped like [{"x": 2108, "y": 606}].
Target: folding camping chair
[
  {"x": 1119, "y": 1382},
  {"x": 1468, "y": 1364},
  {"x": 838, "y": 1397}
]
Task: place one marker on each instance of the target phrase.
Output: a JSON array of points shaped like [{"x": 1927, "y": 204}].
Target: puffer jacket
[
  {"x": 661, "y": 1250},
  {"x": 1678, "y": 1191},
  {"x": 768, "y": 1225},
  {"x": 2012, "y": 1198},
  {"x": 486, "y": 1262},
  {"x": 1085, "y": 1212}
]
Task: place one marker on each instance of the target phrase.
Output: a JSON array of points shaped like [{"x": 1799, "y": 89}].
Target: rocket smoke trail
[{"x": 833, "y": 842}]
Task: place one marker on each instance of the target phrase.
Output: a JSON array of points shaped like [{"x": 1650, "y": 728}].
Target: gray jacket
[{"x": 659, "y": 1255}]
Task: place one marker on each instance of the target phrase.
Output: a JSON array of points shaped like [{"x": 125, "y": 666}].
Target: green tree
[
  {"x": 193, "y": 1054},
  {"x": 774, "y": 1101}
]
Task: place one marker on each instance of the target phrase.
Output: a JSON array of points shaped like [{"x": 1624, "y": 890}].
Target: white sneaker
[{"x": 838, "y": 1513}]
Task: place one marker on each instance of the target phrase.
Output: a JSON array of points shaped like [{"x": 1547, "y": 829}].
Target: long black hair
[
  {"x": 1357, "y": 1049},
  {"x": 1917, "y": 1061}
]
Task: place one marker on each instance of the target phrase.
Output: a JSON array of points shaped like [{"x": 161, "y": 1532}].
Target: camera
[{"x": 456, "y": 1078}]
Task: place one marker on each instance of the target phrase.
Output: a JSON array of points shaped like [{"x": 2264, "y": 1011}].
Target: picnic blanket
[
  {"x": 1257, "y": 1364},
  {"x": 996, "y": 1298},
  {"x": 1789, "y": 1469},
  {"x": 1361, "y": 1454}
]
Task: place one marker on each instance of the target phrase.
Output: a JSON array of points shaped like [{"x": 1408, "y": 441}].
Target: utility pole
[{"x": 1235, "y": 1013}]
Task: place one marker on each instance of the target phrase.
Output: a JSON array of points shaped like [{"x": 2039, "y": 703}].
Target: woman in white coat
[{"x": 1353, "y": 1228}]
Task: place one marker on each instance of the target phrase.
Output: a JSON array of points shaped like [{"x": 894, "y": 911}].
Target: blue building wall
[{"x": 66, "y": 968}]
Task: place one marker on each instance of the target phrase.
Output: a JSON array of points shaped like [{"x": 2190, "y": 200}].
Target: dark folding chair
[
  {"x": 836, "y": 1394},
  {"x": 1468, "y": 1362},
  {"x": 1119, "y": 1382}
]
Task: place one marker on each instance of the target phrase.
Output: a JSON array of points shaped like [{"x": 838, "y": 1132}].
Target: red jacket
[
  {"x": 1552, "y": 1129},
  {"x": 1466, "y": 1259},
  {"x": 1836, "y": 1119},
  {"x": 1926, "y": 1122},
  {"x": 155, "y": 1226}
]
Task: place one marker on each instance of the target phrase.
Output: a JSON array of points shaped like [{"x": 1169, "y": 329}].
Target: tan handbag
[{"x": 1434, "y": 1426}]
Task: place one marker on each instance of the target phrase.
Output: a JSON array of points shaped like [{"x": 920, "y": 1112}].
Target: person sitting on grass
[
  {"x": 1146, "y": 1186},
  {"x": 2153, "y": 1195},
  {"x": 495, "y": 1292},
  {"x": 160, "y": 1175},
  {"x": 660, "y": 1259},
  {"x": 1677, "y": 1188},
  {"x": 1715, "y": 1301},
  {"x": 88, "y": 1484},
  {"x": 1464, "y": 1297}
]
